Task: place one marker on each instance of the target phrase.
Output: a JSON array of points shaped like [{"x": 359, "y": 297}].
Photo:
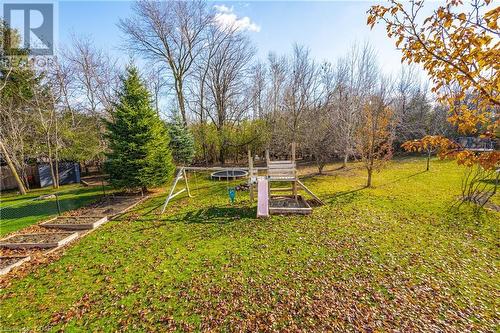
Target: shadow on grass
[
  {"x": 150, "y": 210},
  {"x": 35, "y": 208},
  {"x": 491, "y": 181},
  {"x": 344, "y": 196},
  {"x": 209, "y": 215},
  {"x": 328, "y": 172},
  {"x": 402, "y": 178},
  {"x": 465, "y": 217}
]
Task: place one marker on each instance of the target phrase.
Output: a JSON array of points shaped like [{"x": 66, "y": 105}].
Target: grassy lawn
[
  {"x": 19, "y": 211},
  {"x": 393, "y": 257}
]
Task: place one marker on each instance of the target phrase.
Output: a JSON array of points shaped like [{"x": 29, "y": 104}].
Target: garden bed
[
  {"x": 75, "y": 222},
  {"x": 41, "y": 240},
  {"x": 289, "y": 205},
  {"x": 110, "y": 206},
  {"x": 8, "y": 263}
]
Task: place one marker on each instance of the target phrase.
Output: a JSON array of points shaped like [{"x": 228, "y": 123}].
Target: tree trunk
[
  {"x": 222, "y": 155},
  {"x": 369, "y": 180},
  {"x": 180, "y": 99},
  {"x": 20, "y": 185},
  {"x": 51, "y": 163},
  {"x": 56, "y": 148},
  {"x": 52, "y": 173},
  {"x": 428, "y": 159},
  {"x": 56, "y": 168},
  {"x": 346, "y": 158},
  {"x": 320, "y": 168}
]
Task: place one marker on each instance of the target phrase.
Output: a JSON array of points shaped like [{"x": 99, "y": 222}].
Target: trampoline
[{"x": 228, "y": 174}]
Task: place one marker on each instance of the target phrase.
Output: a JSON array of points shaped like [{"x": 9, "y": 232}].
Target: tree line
[
  {"x": 205, "y": 75},
  {"x": 233, "y": 100}
]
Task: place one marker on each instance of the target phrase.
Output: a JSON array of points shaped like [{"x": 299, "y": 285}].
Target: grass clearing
[{"x": 391, "y": 257}]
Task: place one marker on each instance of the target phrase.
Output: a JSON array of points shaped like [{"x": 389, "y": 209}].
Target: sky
[{"x": 327, "y": 28}]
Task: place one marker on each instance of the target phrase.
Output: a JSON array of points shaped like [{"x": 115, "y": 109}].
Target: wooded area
[{"x": 206, "y": 74}]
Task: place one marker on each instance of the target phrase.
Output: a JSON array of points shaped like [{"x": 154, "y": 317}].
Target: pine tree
[
  {"x": 181, "y": 141},
  {"x": 140, "y": 155}
]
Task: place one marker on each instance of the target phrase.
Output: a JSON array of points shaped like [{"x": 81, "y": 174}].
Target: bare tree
[
  {"x": 258, "y": 89},
  {"x": 43, "y": 103},
  {"x": 226, "y": 82},
  {"x": 278, "y": 69},
  {"x": 93, "y": 77},
  {"x": 200, "y": 106},
  {"x": 13, "y": 129},
  {"x": 411, "y": 106},
  {"x": 278, "y": 73},
  {"x": 19, "y": 183},
  {"x": 301, "y": 89},
  {"x": 318, "y": 139},
  {"x": 15, "y": 133},
  {"x": 170, "y": 33},
  {"x": 355, "y": 77},
  {"x": 374, "y": 134},
  {"x": 156, "y": 85}
]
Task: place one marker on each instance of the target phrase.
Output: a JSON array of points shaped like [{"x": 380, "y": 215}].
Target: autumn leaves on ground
[{"x": 396, "y": 256}]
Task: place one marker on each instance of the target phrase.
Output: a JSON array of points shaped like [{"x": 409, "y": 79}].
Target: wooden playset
[{"x": 284, "y": 199}]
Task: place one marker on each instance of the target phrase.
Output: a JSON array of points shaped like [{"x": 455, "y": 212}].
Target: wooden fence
[{"x": 8, "y": 182}]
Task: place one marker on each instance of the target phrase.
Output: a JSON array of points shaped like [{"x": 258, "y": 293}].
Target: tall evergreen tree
[
  {"x": 181, "y": 141},
  {"x": 140, "y": 155}
]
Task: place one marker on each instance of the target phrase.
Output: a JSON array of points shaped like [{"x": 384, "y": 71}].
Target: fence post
[{"x": 57, "y": 204}]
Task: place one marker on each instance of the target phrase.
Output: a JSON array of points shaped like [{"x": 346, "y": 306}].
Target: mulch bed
[
  {"x": 36, "y": 229},
  {"x": 287, "y": 202},
  {"x": 74, "y": 220},
  {"x": 4, "y": 252},
  {"x": 284, "y": 205},
  {"x": 38, "y": 257},
  {"x": 7, "y": 261},
  {"x": 42, "y": 241},
  {"x": 43, "y": 238},
  {"x": 110, "y": 206}
]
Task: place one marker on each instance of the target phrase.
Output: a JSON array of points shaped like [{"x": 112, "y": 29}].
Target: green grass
[
  {"x": 18, "y": 211},
  {"x": 393, "y": 257}
]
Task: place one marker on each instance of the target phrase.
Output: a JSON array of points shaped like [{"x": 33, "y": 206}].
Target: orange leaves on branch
[
  {"x": 487, "y": 160},
  {"x": 374, "y": 134},
  {"x": 491, "y": 18},
  {"x": 431, "y": 143},
  {"x": 447, "y": 148},
  {"x": 468, "y": 120},
  {"x": 455, "y": 48},
  {"x": 459, "y": 50}
]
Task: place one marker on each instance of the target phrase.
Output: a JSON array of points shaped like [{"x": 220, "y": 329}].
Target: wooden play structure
[
  {"x": 284, "y": 199},
  {"x": 271, "y": 200}
]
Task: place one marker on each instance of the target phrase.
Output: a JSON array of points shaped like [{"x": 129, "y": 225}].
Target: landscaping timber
[
  {"x": 75, "y": 222},
  {"x": 289, "y": 205},
  {"x": 111, "y": 207},
  {"x": 40, "y": 240},
  {"x": 8, "y": 263}
]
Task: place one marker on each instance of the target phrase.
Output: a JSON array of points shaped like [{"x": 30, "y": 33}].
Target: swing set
[{"x": 275, "y": 172}]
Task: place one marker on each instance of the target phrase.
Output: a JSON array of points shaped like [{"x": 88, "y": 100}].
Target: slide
[{"x": 262, "y": 197}]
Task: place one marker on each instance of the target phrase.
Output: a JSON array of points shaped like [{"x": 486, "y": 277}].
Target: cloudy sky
[{"x": 328, "y": 28}]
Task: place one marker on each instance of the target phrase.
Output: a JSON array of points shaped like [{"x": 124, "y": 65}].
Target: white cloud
[{"x": 226, "y": 17}]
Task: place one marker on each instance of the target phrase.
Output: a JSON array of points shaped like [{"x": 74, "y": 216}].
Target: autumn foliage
[
  {"x": 458, "y": 46},
  {"x": 430, "y": 143},
  {"x": 374, "y": 136}
]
